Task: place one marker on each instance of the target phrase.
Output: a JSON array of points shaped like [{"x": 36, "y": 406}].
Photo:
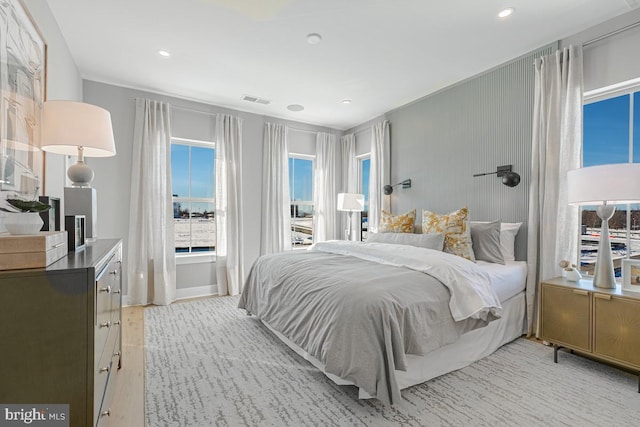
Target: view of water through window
[
  {"x": 301, "y": 193},
  {"x": 608, "y": 125}
]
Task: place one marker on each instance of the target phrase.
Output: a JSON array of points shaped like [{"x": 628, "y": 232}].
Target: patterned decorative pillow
[
  {"x": 455, "y": 226},
  {"x": 397, "y": 224}
]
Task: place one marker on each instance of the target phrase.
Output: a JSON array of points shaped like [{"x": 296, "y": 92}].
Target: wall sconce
[
  {"x": 509, "y": 178},
  {"x": 388, "y": 189}
]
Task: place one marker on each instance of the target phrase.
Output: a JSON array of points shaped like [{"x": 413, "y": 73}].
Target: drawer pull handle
[
  {"x": 105, "y": 369},
  {"x": 581, "y": 292},
  {"x": 117, "y": 353},
  {"x": 105, "y": 325},
  {"x": 114, "y": 272},
  {"x": 106, "y": 290},
  {"x": 117, "y": 322},
  {"x": 106, "y": 413},
  {"x": 602, "y": 296},
  {"x": 58, "y": 245},
  {"x": 116, "y": 292}
]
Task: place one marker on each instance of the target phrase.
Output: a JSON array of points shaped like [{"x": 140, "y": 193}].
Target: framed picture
[
  {"x": 75, "y": 226},
  {"x": 50, "y": 218},
  {"x": 22, "y": 93},
  {"x": 631, "y": 275}
]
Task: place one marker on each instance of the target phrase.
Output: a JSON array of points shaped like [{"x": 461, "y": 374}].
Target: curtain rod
[
  {"x": 185, "y": 108},
  {"x": 610, "y": 34}
]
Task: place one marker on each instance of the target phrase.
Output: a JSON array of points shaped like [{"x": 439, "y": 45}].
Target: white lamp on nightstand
[
  {"x": 604, "y": 186},
  {"x": 350, "y": 202},
  {"x": 75, "y": 128}
]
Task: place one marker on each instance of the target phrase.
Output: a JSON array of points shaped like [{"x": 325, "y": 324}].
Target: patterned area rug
[{"x": 209, "y": 364}]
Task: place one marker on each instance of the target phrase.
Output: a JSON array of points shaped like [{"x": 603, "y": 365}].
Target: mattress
[{"x": 507, "y": 280}]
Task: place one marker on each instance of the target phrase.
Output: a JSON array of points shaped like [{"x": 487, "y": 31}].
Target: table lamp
[
  {"x": 604, "y": 186},
  {"x": 75, "y": 128},
  {"x": 350, "y": 202}
]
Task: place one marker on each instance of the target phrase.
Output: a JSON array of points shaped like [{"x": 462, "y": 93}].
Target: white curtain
[
  {"x": 325, "y": 224},
  {"x": 556, "y": 149},
  {"x": 379, "y": 174},
  {"x": 276, "y": 201},
  {"x": 349, "y": 180},
  {"x": 229, "y": 235},
  {"x": 151, "y": 260}
]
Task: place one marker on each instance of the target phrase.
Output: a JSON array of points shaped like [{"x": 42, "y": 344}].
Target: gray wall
[
  {"x": 112, "y": 174},
  {"x": 63, "y": 82},
  {"x": 441, "y": 140},
  {"x": 612, "y": 59}
]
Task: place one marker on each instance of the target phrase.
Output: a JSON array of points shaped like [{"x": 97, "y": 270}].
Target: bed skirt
[{"x": 471, "y": 347}]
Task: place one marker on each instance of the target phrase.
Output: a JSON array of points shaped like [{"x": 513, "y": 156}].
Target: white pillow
[
  {"x": 508, "y": 233},
  {"x": 430, "y": 241}
]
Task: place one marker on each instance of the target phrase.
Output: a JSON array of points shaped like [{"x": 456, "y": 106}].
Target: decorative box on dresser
[
  {"x": 602, "y": 323},
  {"x": 60, "y": 333}
]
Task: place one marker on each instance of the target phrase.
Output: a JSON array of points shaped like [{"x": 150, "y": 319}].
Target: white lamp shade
[
  {"x": 67, "y": 125},
  {"x": 615, "y": 184},
  {"x": 350, "y": 202}
]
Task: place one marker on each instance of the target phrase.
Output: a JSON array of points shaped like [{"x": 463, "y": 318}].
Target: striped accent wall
[{"x": 441, "y": 140}]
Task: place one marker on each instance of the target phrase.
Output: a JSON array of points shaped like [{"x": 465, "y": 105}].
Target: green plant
[{"x": 26, "y": 206}]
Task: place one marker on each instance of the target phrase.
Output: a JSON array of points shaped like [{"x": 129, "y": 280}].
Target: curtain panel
[
  {"x": 325, "y": 224},
  {"x": 349, "y": 180},
  {"x": 276, "y": 200},
  {"x": 151, "y": 262},
  {"x": 556, "y": 149},
  {"x": 379, "y": 174},
  {"x": 229, "y": 230}
]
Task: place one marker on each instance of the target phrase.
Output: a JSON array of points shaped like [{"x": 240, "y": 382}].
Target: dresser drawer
[
  {"x": 104, "y": 366},
  {"x": 104, "y": 413}
]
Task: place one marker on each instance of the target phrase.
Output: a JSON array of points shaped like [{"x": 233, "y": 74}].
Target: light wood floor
[{"x": 128, "y": 405}]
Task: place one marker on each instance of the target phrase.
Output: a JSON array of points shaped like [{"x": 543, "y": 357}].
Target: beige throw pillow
[
  {"x": 455, "y": 226},
  {"x": 397, "y": 224}
]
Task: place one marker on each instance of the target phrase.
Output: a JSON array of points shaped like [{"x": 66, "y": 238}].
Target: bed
[{"x": 384, "y": 317}]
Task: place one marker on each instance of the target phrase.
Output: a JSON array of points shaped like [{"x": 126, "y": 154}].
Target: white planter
[{"x": 23, "y": 223}]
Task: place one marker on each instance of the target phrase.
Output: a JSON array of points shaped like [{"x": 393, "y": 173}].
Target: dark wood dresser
[{"x": 60, "y": 339}]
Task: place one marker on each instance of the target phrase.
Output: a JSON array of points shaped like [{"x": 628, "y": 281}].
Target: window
[
  {"x": 364, "y": 163},
  {"x": 193, "y": 189},
  {"x": 301, "y": 191},
  {"x": 611, "y": 134}
]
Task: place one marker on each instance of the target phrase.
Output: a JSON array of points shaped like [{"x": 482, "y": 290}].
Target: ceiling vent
[{"x": 256, "y": 100}]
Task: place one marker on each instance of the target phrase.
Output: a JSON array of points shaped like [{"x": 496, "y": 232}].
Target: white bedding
[{"x": 507, "y": 280}]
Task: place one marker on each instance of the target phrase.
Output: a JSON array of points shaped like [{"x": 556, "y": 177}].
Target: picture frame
[
  {"x": 631, "y": 275},
  {"x": 50, "y": 218},
  {"x": 23, "y": 57},
  {"x": 75, "y": 226}
]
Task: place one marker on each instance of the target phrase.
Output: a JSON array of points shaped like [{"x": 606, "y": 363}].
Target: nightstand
[{"x": 601, "y": 323}]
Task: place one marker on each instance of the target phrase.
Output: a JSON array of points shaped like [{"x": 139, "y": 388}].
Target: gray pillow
[
  {"x": 430, "y": 241},
  {"x": 485, "y": 241}
]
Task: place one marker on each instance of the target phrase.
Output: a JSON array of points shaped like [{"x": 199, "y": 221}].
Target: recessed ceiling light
[
  {"x": 506, "y": 12},
  {"x": 164, "y": 53},
  {"x": 346, "y": 101},
  {"x": 314, "y": 38},
  {"x": 295, "y": 107}
]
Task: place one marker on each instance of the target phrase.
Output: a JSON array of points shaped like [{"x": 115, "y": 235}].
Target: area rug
[{"x": 209, "y": 364}]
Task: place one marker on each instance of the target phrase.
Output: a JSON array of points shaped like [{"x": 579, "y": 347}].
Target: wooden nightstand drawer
[
  {"x": 565, "y": 316},
  {"x": 617, "y": 329}
]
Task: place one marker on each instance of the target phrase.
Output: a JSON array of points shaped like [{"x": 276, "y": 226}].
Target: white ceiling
[{"x": 381, "y": 54}]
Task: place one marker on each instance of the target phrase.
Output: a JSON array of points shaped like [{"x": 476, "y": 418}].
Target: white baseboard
[
  {"x": 185, "y": 293},
  {"x": 195, "y": 292}
]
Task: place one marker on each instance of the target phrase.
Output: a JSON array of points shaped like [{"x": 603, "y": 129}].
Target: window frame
[
  {"x": 200, "y": 256},
  {"x": 630, "y": 88},
  {"x": 312, "y": 158},
  {"x": 360, "y": 159}
]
